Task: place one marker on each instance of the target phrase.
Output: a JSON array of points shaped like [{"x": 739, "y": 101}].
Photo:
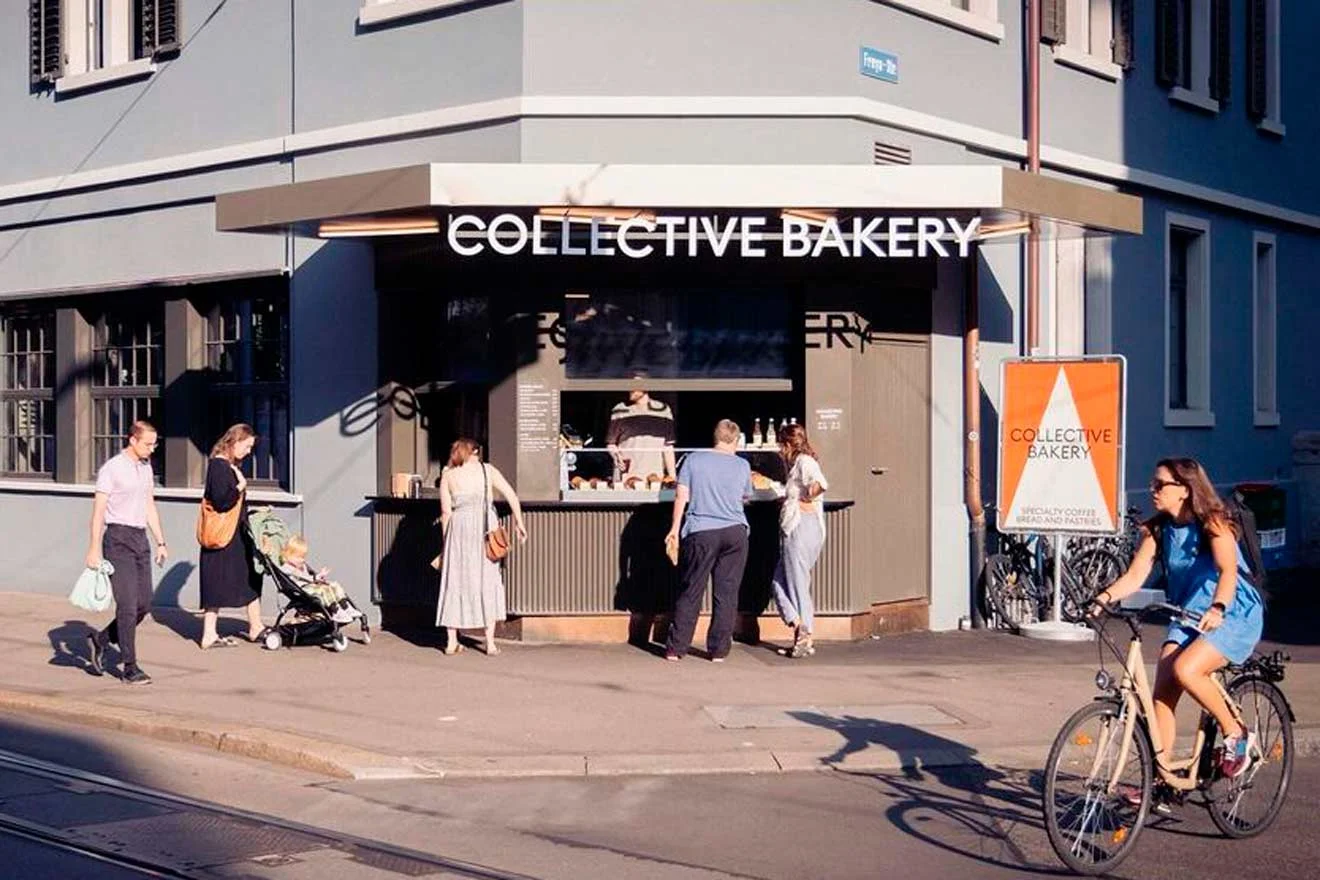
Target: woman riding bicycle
[{"x": 1195, "y": 537}]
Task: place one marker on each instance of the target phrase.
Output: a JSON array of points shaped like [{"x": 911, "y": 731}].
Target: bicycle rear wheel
[
  {"x": 1247, "y": 805},
  {"x": 1012, "y": 592},
  {"x": 1091, "y": 824}
]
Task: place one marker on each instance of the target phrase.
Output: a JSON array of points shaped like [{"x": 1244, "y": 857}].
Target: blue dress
[{"x": 1192, "y": 577}]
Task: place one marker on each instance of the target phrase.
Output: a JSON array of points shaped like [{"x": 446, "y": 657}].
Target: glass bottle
[
  {"x": 770, "y": 434},
  {"x": 756, "y": 434}
]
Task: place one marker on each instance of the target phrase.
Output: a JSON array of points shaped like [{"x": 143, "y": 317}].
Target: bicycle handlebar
[{"x": 1135, "y": 614}]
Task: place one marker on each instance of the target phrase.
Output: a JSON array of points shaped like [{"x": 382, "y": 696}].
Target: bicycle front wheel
[
  {"x": 1248, "y": 804},
  {"x": 1092, "y": 570},
  {"x": 1097, "y": 797},
  {"x": 1012, "y": 592}
]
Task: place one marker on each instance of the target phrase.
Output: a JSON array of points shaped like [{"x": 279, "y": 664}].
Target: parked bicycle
[
  {"x": 1102, "y": 774},
  {"x": 1097, "y": 561},
  {"x": 1019, "y": 583}
]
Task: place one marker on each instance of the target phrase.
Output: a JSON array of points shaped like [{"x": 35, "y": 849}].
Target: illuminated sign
[{"x": 641, "y": 236}]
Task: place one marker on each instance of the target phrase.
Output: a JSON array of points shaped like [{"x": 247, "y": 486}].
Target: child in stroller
[
  {"x": 317, "y": 606},
  {"x": 293, "y": 561}
]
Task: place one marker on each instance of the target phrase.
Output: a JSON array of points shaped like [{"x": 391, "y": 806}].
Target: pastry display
[
  {"x": 576, "y": 482},
  {"x": 634, "y": 482},
  {"x": 761, "y": 481}
]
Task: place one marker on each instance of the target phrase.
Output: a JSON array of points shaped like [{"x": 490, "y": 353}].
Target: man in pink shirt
[{"x": 123, "y": 509}]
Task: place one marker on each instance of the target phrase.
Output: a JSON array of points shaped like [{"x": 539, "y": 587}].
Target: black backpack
[{"x": 1245, "y": 519}]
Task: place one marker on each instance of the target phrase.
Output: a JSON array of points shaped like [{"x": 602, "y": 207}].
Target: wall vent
[{"x": 892, "y": 154}]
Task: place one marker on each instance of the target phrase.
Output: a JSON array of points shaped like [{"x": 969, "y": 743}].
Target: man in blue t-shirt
[{"x": 712, "y": 488}]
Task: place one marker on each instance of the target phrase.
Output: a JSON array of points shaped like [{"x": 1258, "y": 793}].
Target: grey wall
[
  {"x": 230, "y": 84},
  {"x": 333, "y": 311},
  {"x": 343, "y": 73},
  {"x": 765, "y": 47}
]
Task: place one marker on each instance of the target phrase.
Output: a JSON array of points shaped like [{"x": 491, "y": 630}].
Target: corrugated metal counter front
[{"x": 586, "y": 557}]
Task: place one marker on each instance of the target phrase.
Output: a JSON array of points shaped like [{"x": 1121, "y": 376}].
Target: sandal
[
  {"x": 491, "y": 649},
  {"x": 221, "y": 642},
  {"x": 452, "y": 648}
]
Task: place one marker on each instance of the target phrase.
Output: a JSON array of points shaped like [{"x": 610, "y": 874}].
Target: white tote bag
[{"x": 92, "y": 589}]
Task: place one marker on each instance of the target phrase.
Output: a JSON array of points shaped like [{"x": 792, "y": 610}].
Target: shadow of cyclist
[{"x": 944, "y": 796}]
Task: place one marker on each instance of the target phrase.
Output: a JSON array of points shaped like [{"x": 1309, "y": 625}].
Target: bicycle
[
  {"x": 1096, "y": 562},
  {"x": 1100, "y": 778},
  {"x": 1019, "y": 583}
]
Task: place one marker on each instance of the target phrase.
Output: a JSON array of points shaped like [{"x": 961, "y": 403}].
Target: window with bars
[
  {"x": 27, "y": 391},
  {"x": 127, "y": 374},
  {"x": 247, "y": 362}
]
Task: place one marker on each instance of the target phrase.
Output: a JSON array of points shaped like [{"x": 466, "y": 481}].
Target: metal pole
[{"x": 1033, "y": 166}]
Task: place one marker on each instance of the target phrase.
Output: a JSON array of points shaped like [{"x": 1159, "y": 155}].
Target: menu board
[{"x": 538, "y": 417}]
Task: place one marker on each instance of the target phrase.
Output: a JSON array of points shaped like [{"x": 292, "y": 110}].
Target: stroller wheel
[
  {"x": 273, "y": 641},
  {"x": 339, "y": 643}
]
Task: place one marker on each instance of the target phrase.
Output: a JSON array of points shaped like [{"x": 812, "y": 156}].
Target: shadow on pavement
[
  {"x": 68, "y": 643},
  {"x": 944, "y": 796}
]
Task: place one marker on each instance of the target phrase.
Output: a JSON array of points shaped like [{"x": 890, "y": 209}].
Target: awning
[{"x": 413, "y": 198}]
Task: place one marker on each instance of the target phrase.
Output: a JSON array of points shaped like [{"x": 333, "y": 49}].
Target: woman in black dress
[{"x": 228, "y": 579}]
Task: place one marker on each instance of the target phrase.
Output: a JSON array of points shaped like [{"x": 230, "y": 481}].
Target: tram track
[{"x": 113, "y": 843}]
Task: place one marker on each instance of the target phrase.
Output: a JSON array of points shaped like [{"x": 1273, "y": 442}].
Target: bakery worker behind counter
[{"x": 640, "y": 438}]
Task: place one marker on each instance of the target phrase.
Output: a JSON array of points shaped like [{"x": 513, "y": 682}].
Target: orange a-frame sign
[{"x": 1062, "y": 425}]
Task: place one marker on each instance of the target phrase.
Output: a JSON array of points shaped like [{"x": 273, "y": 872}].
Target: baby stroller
[{"x": 310, "y": 622}]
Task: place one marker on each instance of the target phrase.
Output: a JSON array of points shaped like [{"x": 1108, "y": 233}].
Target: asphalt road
[{"x": 965, "y": 823}]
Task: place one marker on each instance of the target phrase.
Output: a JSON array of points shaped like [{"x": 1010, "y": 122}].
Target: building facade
[{"x": 130, "y": 287}]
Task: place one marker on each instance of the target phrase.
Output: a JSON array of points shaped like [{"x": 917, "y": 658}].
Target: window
[
  {"x": 663, "y": 334},
  {"x": 979, "y": 17},
  {"x": 1094, "y": 36},
  {"x": 79, "y": 44},
  {"x": 376, "y": 11},
  {"x": 247, "y": 361},
  {"x": 127, "y": 373},
  {"x": 27, "y": 383},
  {"x": 1187, "y": 323},
  {"x": 1192, "y": 43},
  {"x": 1264, "y": 323},
  {"x": 1263, "y": 65}
]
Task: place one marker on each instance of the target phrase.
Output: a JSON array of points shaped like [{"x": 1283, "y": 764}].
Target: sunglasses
[{"x": 1158, "y": 485}]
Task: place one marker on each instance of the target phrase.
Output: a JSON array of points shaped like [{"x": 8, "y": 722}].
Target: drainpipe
[
  {"x": 972, "y": 426},
  {"x": 1033, "y": 166}
]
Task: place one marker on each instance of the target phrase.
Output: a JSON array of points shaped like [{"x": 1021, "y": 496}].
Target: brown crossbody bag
[{"x": 497, "y": 539}]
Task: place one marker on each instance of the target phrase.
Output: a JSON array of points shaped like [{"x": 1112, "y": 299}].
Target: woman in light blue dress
[{"x": 1196, "y": 539}]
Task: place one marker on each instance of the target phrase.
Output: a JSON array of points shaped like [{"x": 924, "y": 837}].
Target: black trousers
[
  {"x": 128, "y": 551},
  {"x": 721, "y": 556}
]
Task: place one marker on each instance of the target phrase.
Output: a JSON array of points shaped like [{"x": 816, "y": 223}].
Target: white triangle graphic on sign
[{"x": 1060, "y": 493}]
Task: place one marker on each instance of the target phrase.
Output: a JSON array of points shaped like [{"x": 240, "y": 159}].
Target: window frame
[
  {"x": 374, "y": 12},
  {"x": 115, "y": 33},
  {"x": 1273, "y": 119},
  {"x": 1265, "y": 319},
  {"x": 1196, "y": 45},
  {"x": 152, "y": 311},
  {"x": 1082, "y": 30},
  {"x": 980, "y": 19},
  {"x": 1197, "y": 411},
  {"x": 44, "y": 395},
  {"x": 247, "y": 391}
]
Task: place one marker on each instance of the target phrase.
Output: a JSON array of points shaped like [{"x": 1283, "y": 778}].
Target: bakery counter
[{"x": 589, "y": 555}]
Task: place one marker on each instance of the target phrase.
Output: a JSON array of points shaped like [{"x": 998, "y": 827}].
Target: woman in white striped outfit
[{"x": 801, "y": 536}]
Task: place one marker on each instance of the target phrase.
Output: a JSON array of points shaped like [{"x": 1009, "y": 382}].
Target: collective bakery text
[{"x": 701, "y": 235}]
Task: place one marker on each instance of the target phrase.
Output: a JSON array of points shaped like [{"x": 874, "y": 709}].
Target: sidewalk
[{"x": 398, "y": 708}]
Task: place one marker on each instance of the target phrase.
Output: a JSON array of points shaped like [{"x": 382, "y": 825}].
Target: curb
[{"x": 349, "y": 762}]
